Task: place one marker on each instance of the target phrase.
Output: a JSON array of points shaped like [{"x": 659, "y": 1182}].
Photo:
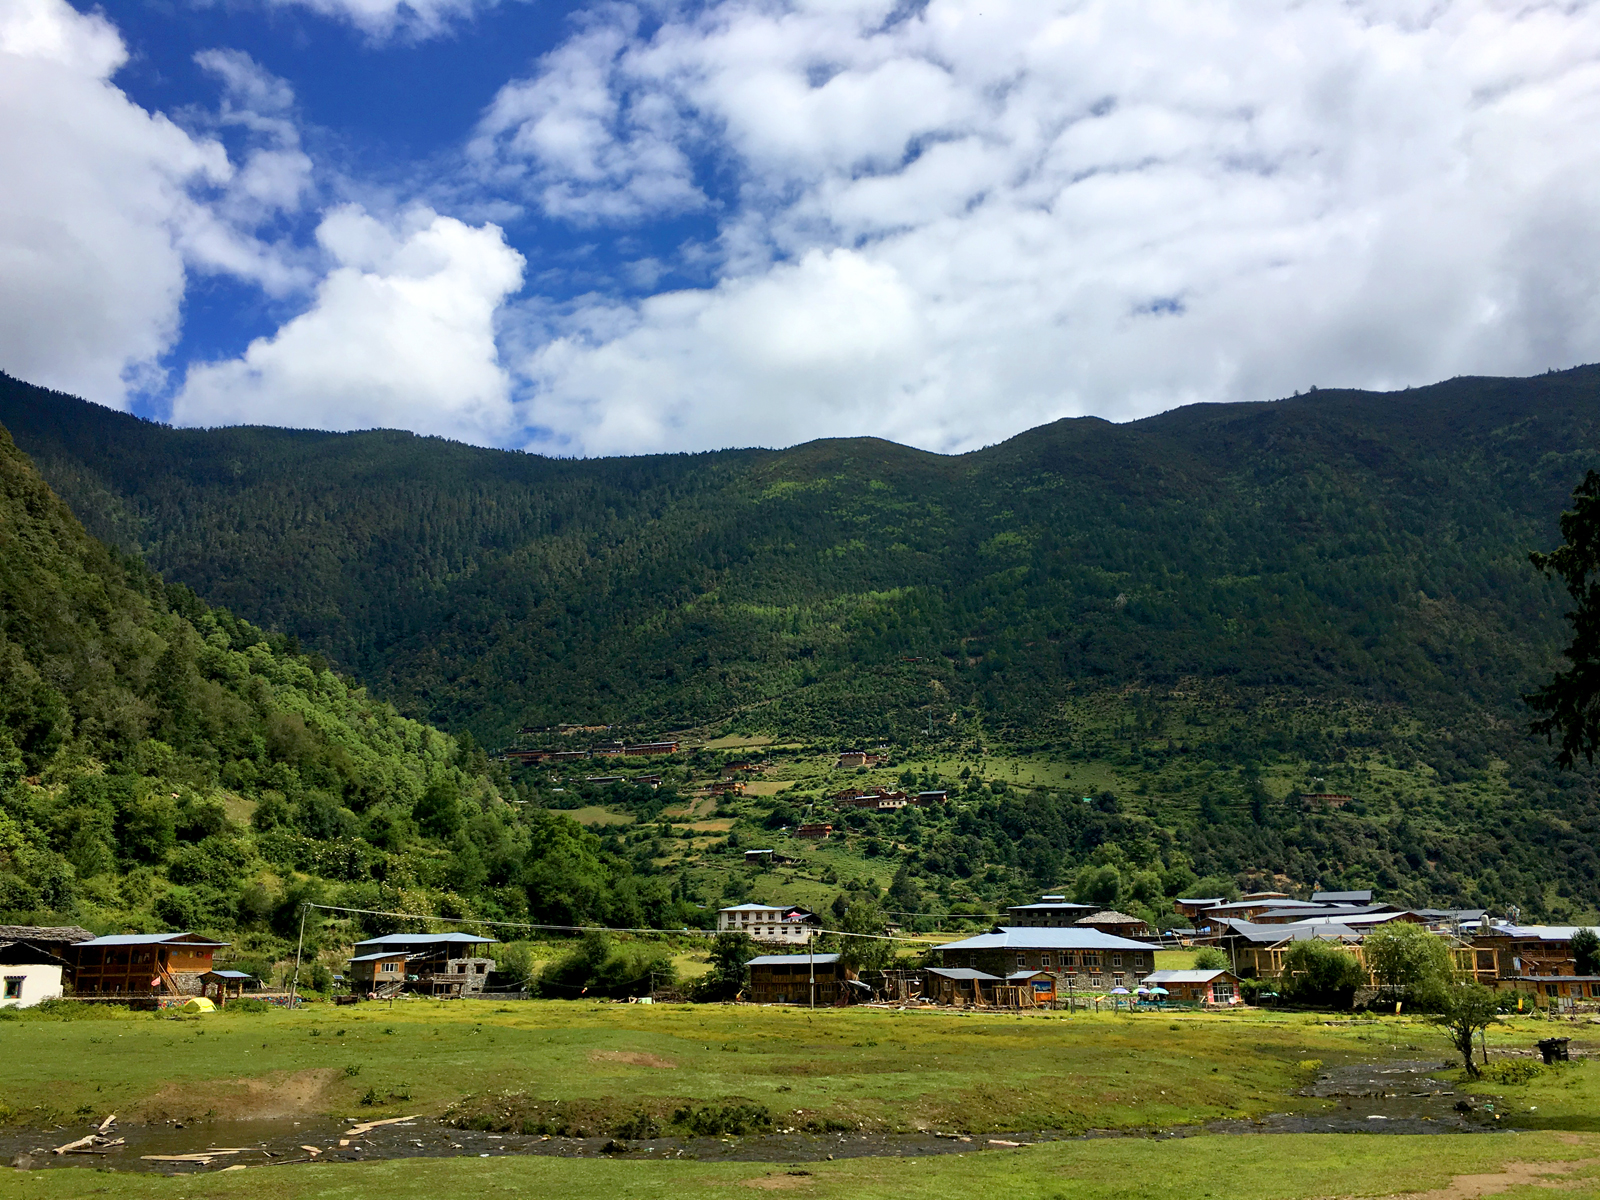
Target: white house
[
  {"x": 768, "y": 923},
  {"x": 28, "y": 975}
]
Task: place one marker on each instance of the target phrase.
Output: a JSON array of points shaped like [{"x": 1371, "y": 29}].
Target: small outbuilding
[
  {"x": 29, "y": 975},
  {"x": 959, "y": 986},
  {"x": 1206, "y": 988},
  {"x": 222, "y": 986}
]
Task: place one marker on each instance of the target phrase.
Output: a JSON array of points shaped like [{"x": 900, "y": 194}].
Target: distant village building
[
  {"x": 1079, "y": 958},
  {"x": 1119, "y": 923},
  {"x": 877, "y": 799},
  {"x": 815, "y": 830},
  {"x": 860, "y": 758},
  {"x": 787, "y": 979},
  {"x": 29, "y": 975},
  {"x": 443, "y": 965},
  {"x": 1050, "y": 911},
  {"x": 142, "y": 964},
  {"x": 929, "y": 799},
  {"x": 768, "y": 923},
  {"x": 1206, "y": 988},
  {"x": 649, "y": 749}
]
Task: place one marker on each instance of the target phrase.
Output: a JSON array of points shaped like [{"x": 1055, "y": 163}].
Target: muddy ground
[{"x": 1375, "y": 1098}]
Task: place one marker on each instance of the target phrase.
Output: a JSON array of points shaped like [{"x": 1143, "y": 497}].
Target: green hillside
[
  {"x": 164, "y": 763},
  {"x": 1192, "y": 619}
]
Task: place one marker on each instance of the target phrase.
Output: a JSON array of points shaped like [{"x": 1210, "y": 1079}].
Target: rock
[{"x": 23, "y": 1162}]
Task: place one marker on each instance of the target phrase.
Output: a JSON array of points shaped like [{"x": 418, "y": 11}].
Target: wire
[{"x": 709, "y": 933}]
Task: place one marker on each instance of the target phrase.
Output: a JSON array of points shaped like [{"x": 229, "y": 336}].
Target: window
[
  {"x": 1116, "y": 960},
  {"x": 1044, "y": 960},
  {"x": 1022, "y": 961},
  {"x": 14, "y": 987},
  {"x": 1222, "y": 992}
]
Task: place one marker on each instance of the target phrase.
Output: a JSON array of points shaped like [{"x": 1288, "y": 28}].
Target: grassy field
[
  {"x": 1285, "y": 1167},
  {"x": 872, "y": 1068}
]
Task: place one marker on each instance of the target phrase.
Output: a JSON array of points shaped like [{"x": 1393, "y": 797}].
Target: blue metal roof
[
  {"x": 382, "y": 954},
  {"x": 149, "y": 939},
  {"x": 773, "y": 960}
]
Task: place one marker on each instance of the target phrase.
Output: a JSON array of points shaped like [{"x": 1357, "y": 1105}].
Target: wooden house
[
  {"x": 142, "y": 964},
  {"x": 29, "y": 975},
  {"x": 959, "y": 986},
  {"x": 1206, "y": 988},
  {"x": 816, "y": 830},
  {"x": 1049, "y": 912},
  {"x": 381, "y": 973},
  {"x": 651, "y": 749},
  {"x": 787, "y": 979},
  {"x": 1025, "y": 989}
]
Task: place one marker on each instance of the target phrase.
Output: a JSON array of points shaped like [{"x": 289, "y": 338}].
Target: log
[
  {"x": 83, "y": 1141},
  {"x": 356, "y": 1130}
]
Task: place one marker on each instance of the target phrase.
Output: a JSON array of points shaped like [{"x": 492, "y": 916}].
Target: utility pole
[
  {"x": 294, "y": 987},
  {"x": 811, "y": 966}
]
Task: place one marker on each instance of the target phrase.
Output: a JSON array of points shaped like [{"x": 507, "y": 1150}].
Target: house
[
  {"x": 814, "y": 830},
  {"x": 29, "y": 975},
  {"x": 1079, "y": 959},
  {"x": 768, "y": 923},
  {"x": 1326, "y": 799},
  {"x": 1205, "y": 988},
  {"x": 142, "y": 964},
  {"x": 608, "y": 749},
  {"x": 1119, "y": 923},
  {"x": 860, "y": 758},
  {"x": 739, "y": 768},
  {"x": 788, "y": 979},
  {"x": 1194, "y": 906},
  {"x": 445, "y": 965},
  {"x": 959, "y": 986},
  {"x": 1360, "y": 897},
  {"x": 56, "y": 939},
  {"x": 726, "y": 788},
  {"x": 878, "y": 799},
  {"x": 650, "y": 749},
  {"x": 1537, "y": 959},
  {"x": 929, "y": 799},
  {"x": 1049, "y": 911},
  {"x": 382, "y": 972}
]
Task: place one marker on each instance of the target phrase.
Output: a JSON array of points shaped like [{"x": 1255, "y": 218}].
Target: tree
[
  {"x": 1209, "y": 958},
  {"x": 1409, "y": 963},
  {"x": 1570, "y": 702},
  {"x": 863, "y": 946},
  {"x": 439, "y": 810},
  {"x": 1320, "y": 973},
  {"x": 1464, "y": 1009},
  {"x": 730, "y": 971},
  {"x": 1586, "y": 950}
]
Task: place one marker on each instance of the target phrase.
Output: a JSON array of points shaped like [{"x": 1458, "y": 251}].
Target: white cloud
[
  {"x": 948, "y": 222},
  {"x": 95, "y": 191},
  {"x": 401, "y": 335},
  {"x": 412, "y": 20}
]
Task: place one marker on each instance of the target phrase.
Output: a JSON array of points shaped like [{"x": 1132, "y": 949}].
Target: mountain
[
  {"x": 164, "y": 763},
  {"x": 1197, "y": 617}
]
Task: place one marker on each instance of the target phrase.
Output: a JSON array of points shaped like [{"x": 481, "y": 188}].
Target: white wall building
[
  {"x": 28, "y": 975},
  {"x": 766, "y": 923}
]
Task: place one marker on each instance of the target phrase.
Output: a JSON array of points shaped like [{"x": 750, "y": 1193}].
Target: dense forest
[
  {"x": 166, "y": 764},
  {"x": 1191, "y": 620}
]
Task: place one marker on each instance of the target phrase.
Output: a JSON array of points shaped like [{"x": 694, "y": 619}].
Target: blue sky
[{"x": 592, "y": 228}]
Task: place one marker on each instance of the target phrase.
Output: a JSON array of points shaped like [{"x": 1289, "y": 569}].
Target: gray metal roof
[
  {"x": 1363, "y": 896},
  {"x": 1028, "y": 975},
  {"x": 961, "y": 973},
  {"x": 1045, "y": 937},
  {"x": 1183, "y": 976},
  {"x": 774, "y": 960},
  {"x": 150, "y": 939},
  {"x": 231, "y": 974},
  {"x": 429, "y": 939},
  {"x": 383, "y": 954},
  {"x": 1271, "y": 935}
]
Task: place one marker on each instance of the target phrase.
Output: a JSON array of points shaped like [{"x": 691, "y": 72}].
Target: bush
[
  {"x": 1210, "y": 958},
  {"x": 599, "y": 966},
  {"x": 1512, "y": 1071},
  {"x": 711, "y": 1120},
  {"x": 244, "y": 1004},
  {"x": 1320, "y": 973}
]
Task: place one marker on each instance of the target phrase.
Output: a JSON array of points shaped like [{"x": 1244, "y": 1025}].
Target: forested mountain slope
[
  {"x": 166, "y": 764},
  {"x": 1341, "y": 544}
]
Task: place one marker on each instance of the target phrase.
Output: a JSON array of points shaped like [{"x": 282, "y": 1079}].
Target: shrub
[
  {"x": 711, "y": 1120},
  {"x": 1210, "y": 958},
  {"x": 1512, "y": 1071},
  {"x": 1320, "y": 973}
]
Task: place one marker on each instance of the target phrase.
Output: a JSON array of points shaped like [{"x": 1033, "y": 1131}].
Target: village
[{"x": 1052, "y": 953}]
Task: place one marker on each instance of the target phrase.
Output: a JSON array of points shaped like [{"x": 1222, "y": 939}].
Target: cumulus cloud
[
  {"x": 949, "y": 221},
  {"x": 401, "y": 334},
  {"x": 95, "y": 191}
]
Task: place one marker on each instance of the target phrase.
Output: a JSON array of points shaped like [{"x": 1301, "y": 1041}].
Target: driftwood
[
  {"x": 356, "y": 1130},
  {"x": 81, "y": 1142},
  {"x": 107, "y": 1123}
]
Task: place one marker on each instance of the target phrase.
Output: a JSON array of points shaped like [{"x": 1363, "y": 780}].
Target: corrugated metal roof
[
  {"x": 231, "y": 974},
  {"x": 429, "y": 939},
  {"x": 773, "y": 960},
  {"x": 150, "y": 939},
  {"x": 385, "y": 954},
  {"x": 1183, "y": 976},
  {"x": 758, "y": 908},
  {"x": 961, "y": 973},
  {"x": 1043, "y": 937}
]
